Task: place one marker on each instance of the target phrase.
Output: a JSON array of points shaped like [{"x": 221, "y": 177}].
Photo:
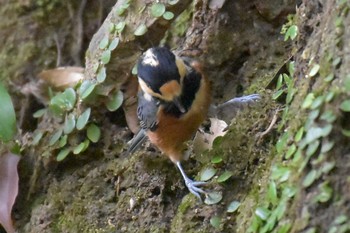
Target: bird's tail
[{"x": 137, "y": 141}]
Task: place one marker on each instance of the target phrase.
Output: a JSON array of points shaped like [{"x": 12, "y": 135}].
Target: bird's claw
[
  {"x": 192, "y": 187},
  {"x": 247, "y": 98}
]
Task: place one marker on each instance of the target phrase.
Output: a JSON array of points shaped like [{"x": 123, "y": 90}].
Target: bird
[{"x": 173, "y": 100}]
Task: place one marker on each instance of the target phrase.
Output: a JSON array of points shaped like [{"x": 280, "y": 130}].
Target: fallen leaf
[
  {"x": 62, "y": 77},
  {"x": 8, "y": 189},
  {"x": 204, "y": 141},
  {"x": 130, "y": 104}
]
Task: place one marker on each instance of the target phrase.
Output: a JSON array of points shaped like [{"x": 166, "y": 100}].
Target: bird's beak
[{"x": 179, "y": 105}]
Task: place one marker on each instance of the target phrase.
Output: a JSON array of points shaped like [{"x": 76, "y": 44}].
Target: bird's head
[{"x": 161, "y": 74}]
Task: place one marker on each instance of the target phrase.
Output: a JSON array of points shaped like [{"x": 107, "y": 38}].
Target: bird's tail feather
[{"x": 137, "y": 141}]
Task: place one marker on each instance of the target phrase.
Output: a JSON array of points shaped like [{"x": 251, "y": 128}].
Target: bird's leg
[
  {"x": 191, "y": 185},
  {"x": 228, "y": 110}
]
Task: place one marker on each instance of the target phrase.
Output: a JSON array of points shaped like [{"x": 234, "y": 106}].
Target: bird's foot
[
  {"x": 192, "y": 187},
  {"x": 246, "y": 98}
]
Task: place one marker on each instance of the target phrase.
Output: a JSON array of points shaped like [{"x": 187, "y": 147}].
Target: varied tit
[{"x": 173, "y": 101}]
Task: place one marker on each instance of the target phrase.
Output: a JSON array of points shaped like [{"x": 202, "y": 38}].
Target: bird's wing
[{"x": 147, "y": 110}]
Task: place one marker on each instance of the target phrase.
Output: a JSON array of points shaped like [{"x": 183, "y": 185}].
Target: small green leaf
[
  {"x": 272, "y": 193},
  {"x": 122, "y": 9},
  {"x": 291, "y": 150},
  {"x": 224, "y": 176},
  {"x": 62, "y": 154},
  {"x": 93, "y": 133},
  {"x": 114, "y": 44},
  {"x": 282, "y": 143},
  {"x": 36, "y": 137},
  {"x": 277, "y": 94},
  {"x": 233, "y": 206},
  {"x": 111, "y": 28},
  {"x": 168, "y": 15},
  {"x": 217, "y": 141},
  {"x": 285, "y": 228},
  {"x": 312, "y": 148},
  {"x": 316, "y": 132},
  {"x": 317, "y": 102},
  {"x": 289, "y": 191},
  {"x": 86, "y": 144},
  {"x": 329, "y": 96},
  {"x": 69, "y": 124},
  {"x": 326, "y": 130},
  {"x": 120, "y": 26},
  {"x": 325, "y": 194},
  {"x": 101, "y": 76},
  {"x": 262, "y": 213},
  {"x": 134, "y": 70},
  {"x": 290, "y": 94},
  {"x": 327, "y": 146},
  {"x": 157, "y": 9},
  {"x": 345, "y": 132},
  {"x": 291, "y": 68},
  {"x": 58, "y": 102},
  {"x": 314, "y": 114},
  {"x": 55, "y": 137},
  {"x": 327, "y": 167},
  {"x": 280, "y": 173},
  {"x": 63, "y": 141},
  {"x": 39, "y": 113},
  {"x": 215, "y": 221},
  {"x": 281, "y": 209},
  {"x": 329, "y": 77},
  {"x": 347, "y": 83},
  {"x": 314, "y": 70},
  {"x": 339, "y": 21},
  {"x": 336, "y": 61},
  {"x": 216, "y": 159},
  {"x": 310, "y": 178},
  {"x": 299, "y": 134},
  {"x": 106, "y": 57},
  {"x": 279, "y": 82},
  {"x": 83, "y": 119},
  {"x": 104, "y": 43},
  {"x": 141, "y": 30},
  {"x": 292, "y": 32},
  {"x": 115, "y": 102},
  {"x": 213, "y": 198},
  {"x": 340, "y": 219},
  {"x": 79, "y": 148},
  {"x": 287, "y": 79},
  {"x": 86, "y": 88},
  {"x": 328, "y": 116},
  {"x": 333, "y": 229},
  {"x": 70, "y": 98},
  {"x": 345, "y": 106},
  {"x": 308, "y": 100},
  {"x": 207, "y": 174}
]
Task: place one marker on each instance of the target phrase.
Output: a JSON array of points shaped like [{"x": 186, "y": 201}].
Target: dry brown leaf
[
  {"x": 62, "y": 77},
  {"x": 204, "y": 141},
  {"x": 8, "y": 189},
  {"x": 130, "y": 89}
]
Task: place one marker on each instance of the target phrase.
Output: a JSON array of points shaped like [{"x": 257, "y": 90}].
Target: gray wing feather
[{"x": 147, "y": 113}]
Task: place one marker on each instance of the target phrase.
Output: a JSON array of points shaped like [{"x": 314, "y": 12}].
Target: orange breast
[{"x": 172, "y": 132}]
